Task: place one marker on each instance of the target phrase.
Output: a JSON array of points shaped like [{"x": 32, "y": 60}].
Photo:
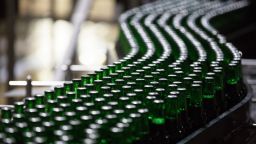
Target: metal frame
[
  {"x": 10, "y": 31},
  {"x": 80, "y": 13}
]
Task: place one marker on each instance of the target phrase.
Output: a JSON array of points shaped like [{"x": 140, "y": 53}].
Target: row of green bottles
[{"x": 172, "y": 81}]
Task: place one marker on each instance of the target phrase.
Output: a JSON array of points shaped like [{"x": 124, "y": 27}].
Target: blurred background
[{"x": 55, "y": 40}]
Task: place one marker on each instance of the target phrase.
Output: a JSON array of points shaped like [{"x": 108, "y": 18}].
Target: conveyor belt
[{"x": 179, "y": 75}]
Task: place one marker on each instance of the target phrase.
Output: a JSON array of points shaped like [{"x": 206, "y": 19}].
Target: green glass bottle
[
  {"x": 233, "y": 83},
  {"x": 58, "y": 91},
  {"x": 70, "y": 96},
  {"x": 39, "y": 99},
  {"x": 196, "y": 106},
  {"x": 30, "y": 102},
  {"x": 85, "y": 79},
  {"x": 209, "y": 99},
  {"x": 19, "y": 107},
  {"x": 40, "y": 108},
  {"x": 157, "y": 120},
  {"x": 68, "y": 86},
  {"x": 6, "y": 113},
  {"x": 49, "y": 95},
  {"x": 18, "y": 117},
  {"x": 77, "y": 83},
  {"x": 31, "y": 112},
  {"x": 81, "y": 91},
  {"x": 28, "y": 136},
  {"x": 171, "y": 112}
]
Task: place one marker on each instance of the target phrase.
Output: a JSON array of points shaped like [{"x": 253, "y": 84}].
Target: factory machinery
[{"x": 180, "y": 81}]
